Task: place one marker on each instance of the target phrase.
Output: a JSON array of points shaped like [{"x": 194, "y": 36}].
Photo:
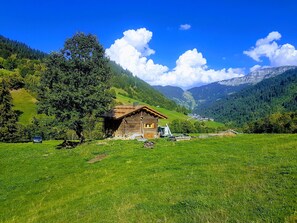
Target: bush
[
  {"x": 185, "y": 126},
  {"x": 43, "y": 126},
  {"x": 182, "y": 126},
  {"x": 275, "y": 123}
]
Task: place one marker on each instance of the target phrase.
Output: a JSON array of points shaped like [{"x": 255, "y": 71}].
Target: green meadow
[
  {"x": 247, "y": 178},
  {"x": 26, "y": 103}
]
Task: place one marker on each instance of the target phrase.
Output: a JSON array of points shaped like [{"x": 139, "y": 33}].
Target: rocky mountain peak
[{"x": 256, "y": 76}]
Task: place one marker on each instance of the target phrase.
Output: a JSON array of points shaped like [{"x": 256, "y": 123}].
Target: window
[{"x": 149, "y": 125}]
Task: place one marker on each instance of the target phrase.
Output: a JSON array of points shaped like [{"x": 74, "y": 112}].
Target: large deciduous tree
[{"x": 75, "y": 85}]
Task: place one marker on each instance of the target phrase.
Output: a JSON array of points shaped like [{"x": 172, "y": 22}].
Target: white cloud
[
  {"x": 184, "y": 27},
  {"x": 191, "y": 70},
  {"x": 132, "y": 50},
  {"x": 131, "y": 53},
  {"x": 254, "y": 68},
  {"x": 191, "y": 58},
  {"x": 278, "y": 55},
  {"x": 271, "y": 36},
  {"x": 139, "y": 39},
  {"x": 284, "y": 55}
]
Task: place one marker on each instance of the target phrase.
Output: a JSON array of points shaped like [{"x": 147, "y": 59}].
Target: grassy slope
[
  {"x": 249, "y": 178},
  {"x": 24, "y": 102},
  {"x": 170, "y": 114}
]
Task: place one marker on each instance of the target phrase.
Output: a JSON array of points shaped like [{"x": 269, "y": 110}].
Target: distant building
[
  {"x": 132, "y": 121},
  {"x": 200, "y": 118}
]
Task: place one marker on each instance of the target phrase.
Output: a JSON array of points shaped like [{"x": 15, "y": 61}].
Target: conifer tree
[{"x": 8, "y": 117}]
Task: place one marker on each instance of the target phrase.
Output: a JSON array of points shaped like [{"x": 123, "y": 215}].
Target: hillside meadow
[
  {"x": 247, "y": 178},
  {"x": 26, "y": 103},
  {"x": 172, "y": 115}
]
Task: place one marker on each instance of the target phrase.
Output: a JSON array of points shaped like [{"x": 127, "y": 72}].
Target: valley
[{"x": 243, "y": 99}]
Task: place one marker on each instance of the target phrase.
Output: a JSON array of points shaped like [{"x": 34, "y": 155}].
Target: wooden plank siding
[{"x": 139, "y": 122}]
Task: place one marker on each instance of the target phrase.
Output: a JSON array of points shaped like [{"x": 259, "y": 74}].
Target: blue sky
[{"x": 218, "y": 34}]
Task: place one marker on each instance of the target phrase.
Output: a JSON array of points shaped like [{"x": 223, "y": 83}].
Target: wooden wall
[
  {"x": 150, "y": 119},
  {"x": 134, "y": 124}
]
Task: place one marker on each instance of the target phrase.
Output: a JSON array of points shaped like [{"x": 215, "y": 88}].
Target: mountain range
[
  {"x": 207, "y": 94},
  {"x": 272, "y": 87},
  {"x": 178, "y": 95}
]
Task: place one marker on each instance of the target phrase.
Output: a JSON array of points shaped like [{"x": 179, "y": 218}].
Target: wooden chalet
[{"x": 132, "y": 121}]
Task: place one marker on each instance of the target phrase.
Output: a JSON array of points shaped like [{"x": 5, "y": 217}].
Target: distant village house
[{"x": 132, "y": 121}]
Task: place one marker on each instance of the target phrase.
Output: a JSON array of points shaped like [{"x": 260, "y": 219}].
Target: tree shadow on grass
[{"x": 67, "y": 145}]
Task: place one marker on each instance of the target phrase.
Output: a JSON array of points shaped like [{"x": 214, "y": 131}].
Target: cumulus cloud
[
  {"x": 132, "y": 51},
  {"x": 278, "y": 55},
  {"x": 184, "y": 27},
  {"x": 191, "y": 70}
]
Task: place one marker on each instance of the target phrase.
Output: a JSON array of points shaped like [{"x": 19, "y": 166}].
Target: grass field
[
  {"x": 26, "y": 103},
  {"x": 248, "y": 178}
]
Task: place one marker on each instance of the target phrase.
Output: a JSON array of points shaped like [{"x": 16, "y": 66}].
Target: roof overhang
[{"x": 118, "y": 112}]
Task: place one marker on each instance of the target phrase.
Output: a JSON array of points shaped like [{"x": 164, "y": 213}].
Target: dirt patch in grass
[{"x": 97, "y": 158}]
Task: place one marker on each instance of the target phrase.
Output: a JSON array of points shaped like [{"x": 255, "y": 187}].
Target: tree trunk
[{"x": 80, "y": 135}]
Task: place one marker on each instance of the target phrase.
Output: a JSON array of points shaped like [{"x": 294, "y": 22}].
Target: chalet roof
[{"x": 121, "y": 111}]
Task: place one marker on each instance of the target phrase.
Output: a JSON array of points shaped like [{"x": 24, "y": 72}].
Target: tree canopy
[
  {"x": 275, "y": 123},
  {"x": 75, "y": 86}
]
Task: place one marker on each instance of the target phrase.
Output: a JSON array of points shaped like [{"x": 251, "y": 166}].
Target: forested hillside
[
  {"x": 210, "y": 93},
  {"x": 170, "y": 91},
  {"x": 181, "y": 97},
  {"x": 140, "y": 90},
  {"x": 278, "y": 94},
  {"x": 9, "y": 47},
  {"x": 21, "y": 66}
]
